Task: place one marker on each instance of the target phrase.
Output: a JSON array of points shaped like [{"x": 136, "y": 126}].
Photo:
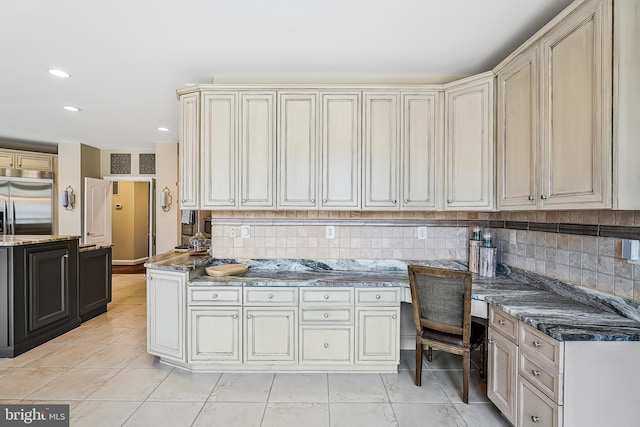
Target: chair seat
[{"x": 477, "y": 335}]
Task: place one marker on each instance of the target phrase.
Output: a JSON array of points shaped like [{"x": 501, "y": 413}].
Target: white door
[{"x": 97, "y": 211}]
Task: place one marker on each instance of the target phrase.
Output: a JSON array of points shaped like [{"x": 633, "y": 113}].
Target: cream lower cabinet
[
  {"x": 377, "y": 325},
  {"x": 166, "y": 310},
  {"x": 559, "y": 383},
  {"x": 469, "y": 145}
]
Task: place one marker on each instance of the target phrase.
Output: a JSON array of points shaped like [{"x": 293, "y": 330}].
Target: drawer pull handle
[
  {"x": 326, "y": 297},
  {"x": 535, "y": 419},
  {"x": 501, "y": 322},
  {"x": 235, "y": 316},
  {"x": 535, "y": 373},
  {"x": 214, "y": 296},
  {"x": 270, "y": 296},
  {"x": 536, "y": 344},
  {"x": 326, "y": 315},
  {"x": 377, "y": 296},
  {"x": 326, "y": 345}
]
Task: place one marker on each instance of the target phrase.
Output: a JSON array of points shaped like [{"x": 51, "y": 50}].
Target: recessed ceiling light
[
  {"x": 71, "y": 108},
  {"x": 161, "y": 129},
  {"x": 59, "y": 73}
]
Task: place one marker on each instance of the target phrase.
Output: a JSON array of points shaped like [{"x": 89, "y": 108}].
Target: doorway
[{"x": 133, "y": 219}]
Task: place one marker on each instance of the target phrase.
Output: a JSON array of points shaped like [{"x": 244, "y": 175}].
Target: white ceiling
[{"x": 127, "y": 57}]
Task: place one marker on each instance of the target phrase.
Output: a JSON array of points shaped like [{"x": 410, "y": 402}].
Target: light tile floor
[{"x": 102, "y": 370}]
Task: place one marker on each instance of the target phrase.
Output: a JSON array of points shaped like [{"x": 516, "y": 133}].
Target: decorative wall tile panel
[
  {"x": 147, "y": 164},
  {"x": 120, "y": 164}
]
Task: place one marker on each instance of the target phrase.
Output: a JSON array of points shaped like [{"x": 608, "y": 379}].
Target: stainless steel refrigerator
[{"x": 26, "y": 206}]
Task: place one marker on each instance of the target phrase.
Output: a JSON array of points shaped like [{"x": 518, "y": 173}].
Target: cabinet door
[
  {"x": 270, "y": 334},
  {"x": 323, "y": 345},
  {"x": 165, "y": 314},
  {"x": 95, "y": 281},
  {"x": 219, "y": 150},
  {"x": 189, "y": 136},
  {"x": 502, "y": 374},
  {"x": 42, "y": 162},
  {"x": 576, "y": 78},
  {"x": 419, "y": 150},
  {"x": 469, "y": 144},
  {"x": 6, "y": 159},
  {"x": 381, "y": 146},
  {"x": 297, "y": 150},
  {"x": 378, "y": 335},
  {"x": 48, "y": 288},
  {"x": 215, "y": 335},
  {"x": 517, "y": 130},
  {"x": 257, "y": 150},
  {"x": 340, "y": 150}
]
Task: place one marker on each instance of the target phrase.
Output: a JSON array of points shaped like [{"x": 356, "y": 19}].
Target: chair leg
[
  {"x": 418, "y": 363},
  {"x": 429, "y": 354},
  {"x": 483, "y": 360},
  {"x": 466, "y": 362}
]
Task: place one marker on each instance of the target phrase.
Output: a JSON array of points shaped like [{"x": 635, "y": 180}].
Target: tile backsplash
[{"x": 589, "y": 261}]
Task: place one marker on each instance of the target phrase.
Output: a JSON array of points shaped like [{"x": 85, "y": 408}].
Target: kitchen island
[{"x": 39, "y": 288}]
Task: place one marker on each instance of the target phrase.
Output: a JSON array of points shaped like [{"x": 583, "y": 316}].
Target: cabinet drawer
[
  {"x": 222, "y": 295},
  {"x": 378, "y": 296},
  {"x": 549, "y": 381},
  {"x": 323, "y": 345},
  {"x": 541, "y": 346},
  {"x": 342, "y": 315},
  {"x": 535, "y": 409},
  {"x": 326, "y": 296},
  {"x": 504, "y": 323},
  {"x": 271, "y": 296}
]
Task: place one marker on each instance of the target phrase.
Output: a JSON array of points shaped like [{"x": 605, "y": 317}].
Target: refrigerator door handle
[
  {"x": 6, "y": 219},
  {"x": 13, "y": 217}
]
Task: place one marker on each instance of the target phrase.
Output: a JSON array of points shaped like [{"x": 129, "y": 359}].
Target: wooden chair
[{"x": 442, "y": 314}]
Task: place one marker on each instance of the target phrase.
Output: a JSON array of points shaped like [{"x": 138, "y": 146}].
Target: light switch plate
[
  {"x": 245, "y": 231},
  {"x": 330, "y": 232}
]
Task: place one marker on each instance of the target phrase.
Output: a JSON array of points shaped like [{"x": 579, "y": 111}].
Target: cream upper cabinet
[
  {"x": 381, "y": 150},
  {"x": 576, "y": 107},
  {"x": 469, "y": 145},
  {"x": 189, "y": 147},
  {"x": 517, "y": 133},
  {"x": 419, "y": 150},
  {"x": 340, "y": 150},
  {"x": 298, "y": 132},
  {"x": 219, "y": 150},
  {"x": 14, "y": 159},
  {"x": 6, "y": 159},
  {"x": 257, "y": 149}
]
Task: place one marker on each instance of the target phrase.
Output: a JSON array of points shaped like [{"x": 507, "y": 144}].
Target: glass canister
[{"x": 199, "y": 243}]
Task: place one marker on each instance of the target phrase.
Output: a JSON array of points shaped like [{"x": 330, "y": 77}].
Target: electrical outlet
[
  {"x": 245, "y": 231},
  {"x": 232, "y": 232},
  {"x": 330, "y": 232},
  {"x": 422, "y": 233},
  {"x": 512, "y": 237}
]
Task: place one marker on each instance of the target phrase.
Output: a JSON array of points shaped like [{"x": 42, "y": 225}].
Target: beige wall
[
  {"x": 167, "y": 223},
  {"x": 130, "y": 223}
]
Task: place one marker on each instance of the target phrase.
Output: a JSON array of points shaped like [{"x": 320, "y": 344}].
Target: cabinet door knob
[
  {"x": 326, "y": 297},
  {"x": 248, "y": 316},
  {"x": 394, "y": 317},
  {"x": 535, "y": 419},
  {"x": 501, "y": 322},
  {"x": 313, "y": 200},
  {"x": 543, "y": 197},
  {"x": 531, "y": 198},
  {"x": 535, "y": 373},
  {"x": 270, "y": 296},
  {"x": 150, "y": 277},
  {"x": 490, "y": 341},
  {"x": 324, "y": 200},
  {"x": 407, "y": 200},
  {"x": 326, "y": 315},
  {"x": 377, "y": 296},
  {"x": 235, "y": 316},
  {"x": 536, "y": 344},
  {"x": 244, "y": 200},
  {"x": 449, "y": 201},
  {"x": 326, "y": 345},
  {"x": 394, "y": 201},
  {"x": 231, "y": 200},
  {"x": 214, "y": 296}
]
